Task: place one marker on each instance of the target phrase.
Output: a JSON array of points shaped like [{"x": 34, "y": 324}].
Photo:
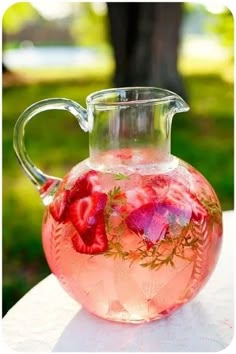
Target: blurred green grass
[{"x": 203, "y": 137}]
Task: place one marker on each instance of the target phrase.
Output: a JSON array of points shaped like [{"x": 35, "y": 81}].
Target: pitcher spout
[{"x": 180, "y": 105}]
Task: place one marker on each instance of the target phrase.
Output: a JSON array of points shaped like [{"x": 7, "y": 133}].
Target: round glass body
[{"x": 133, "y": 244}]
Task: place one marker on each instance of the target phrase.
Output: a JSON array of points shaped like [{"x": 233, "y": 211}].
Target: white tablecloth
[{"x": 47, "y": 319}]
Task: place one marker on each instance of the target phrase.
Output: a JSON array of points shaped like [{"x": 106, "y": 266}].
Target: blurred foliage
[
  {"x": 89, "y": 24},
  {"x": 17, "y": 15},
  {"x": 223, "y": 27},
  {"x": 221, "y": 24}
]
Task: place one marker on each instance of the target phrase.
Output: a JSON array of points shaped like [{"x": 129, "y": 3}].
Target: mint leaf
[{"x": 120, "y": 176}]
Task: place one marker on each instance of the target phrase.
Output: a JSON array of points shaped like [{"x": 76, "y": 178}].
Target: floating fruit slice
[
  {"x": 59, "y": 205},
  {"x": 148, "y": 221},
  {"x": 152, "y": 220},
  {"x": 86, "y": 212},
  {"x": 138, "y": 196},
  {"x": 97, "y": 235},
  {"x": 87, "y": 216},
  {"x": 85, "y": 185},
  {"x": 182, "y": 199}
]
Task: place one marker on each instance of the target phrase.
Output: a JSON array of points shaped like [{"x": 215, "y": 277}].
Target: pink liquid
[{"x": 148, "y": 273}]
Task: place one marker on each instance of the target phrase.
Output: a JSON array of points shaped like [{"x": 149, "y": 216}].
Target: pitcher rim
[{"x": 169, "y": 97}]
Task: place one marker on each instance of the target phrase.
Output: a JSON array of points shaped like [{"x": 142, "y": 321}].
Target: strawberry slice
[
  {"x": 99, "y": 244},
  {"x": 85, "y": 185},
  {"x": 126, "y": 202},
  {"x": 84, "y": 213},
  {"x": 148, "y": 221},
  {"x": 138, "y": 196},
  {"x": 58, "y": 207},
  {"x": 87, "y": 216},
  {"x": 182, "y": 199}
]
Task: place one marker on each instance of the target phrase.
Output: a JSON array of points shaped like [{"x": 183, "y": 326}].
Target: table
[{"x": 46, "y": 319}]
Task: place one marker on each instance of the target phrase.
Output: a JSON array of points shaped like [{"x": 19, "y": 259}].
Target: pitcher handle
[{"x": 45, "y": 184}]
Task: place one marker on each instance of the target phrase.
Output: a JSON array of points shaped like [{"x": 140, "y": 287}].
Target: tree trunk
[
  {"x": 145, "y": 38},
  {"x": 164, "y": 48},
  {"x": 123, "y": 26}
]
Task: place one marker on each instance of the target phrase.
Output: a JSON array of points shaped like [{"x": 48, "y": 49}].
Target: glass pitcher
[{"x": 132, "y": 232}]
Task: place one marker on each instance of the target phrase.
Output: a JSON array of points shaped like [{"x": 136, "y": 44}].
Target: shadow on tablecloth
[{"x": 188, "y": 329}]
